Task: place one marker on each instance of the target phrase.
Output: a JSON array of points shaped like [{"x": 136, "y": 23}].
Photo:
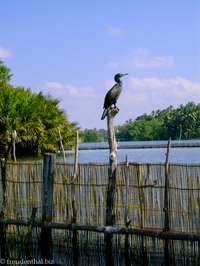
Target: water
[
  {"x": 152, "y": 155},
  {"x": 65, "y": 252},
  {"x": 141, "y": 144},
  {"x": 99, "y": 152}
]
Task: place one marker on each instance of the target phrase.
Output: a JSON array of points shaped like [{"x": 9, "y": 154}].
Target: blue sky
[{"x": 73, "y": 49}]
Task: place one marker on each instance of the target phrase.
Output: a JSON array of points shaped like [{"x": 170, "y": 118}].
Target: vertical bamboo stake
[
  {"x": 61, "y": 145},
  {"x": 76, "y": 156},
  {"x": 13, "y": 136},
  {"x": 127, "y": 221},
  {"x": 166, "y": 200},
  {"x": 4, "y": 187},
  {"x": 74, "y": 208},
  {"x": 2, "y": 208},
  {"x": 30, "y": 228},
  {"x": 141, "y": 196},
  {"x": 47, "y": 202},
  {"x": 74, "y": 211},
  {"x": 3, "y": 162},
  {"x": 142, "y": 215},
  {"x": 166, "y": 204}
]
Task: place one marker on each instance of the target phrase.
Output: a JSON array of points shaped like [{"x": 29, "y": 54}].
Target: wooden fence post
[
  {"x": 142, "y": 215},
  {"x": 61, "y": 145},
  {"x": 74, "y": 204},
  {"x": 47, "y": 202},
  {"x": 110, "y": 215},
  {"x": 13, "y": 137},
  {"x": 2, "y": 208},
  {"x": 166, "y": 204},
  {"x": 127, "y": 221},
  {"x": 111, "y": 188},
  {"x": 166, "y": 197}
]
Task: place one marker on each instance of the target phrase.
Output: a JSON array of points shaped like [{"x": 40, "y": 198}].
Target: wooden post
[
  {"x": 47, "y": 202},
  {"x": 3, "y": 165},
  {"x": 74, "y": 208},
  {"x": 110, "y": 215},
  {"x": 166, "y": 200},
  {"x": 61, "y": 145},
  {"x": 30, "y": 228},
  {"x": 166, "y": 204},
  {"x": 2, "y": 208},
  {"x": 127, "y": 221},
  {"x": 142, "y": 215},
  {"x": 76, "y": 157},
  {"x": 111, "y": 189},
  {"x": 13, "y": 137}
]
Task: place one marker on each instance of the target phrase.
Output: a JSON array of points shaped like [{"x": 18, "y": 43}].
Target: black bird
[{"x": 112, "y": 95}]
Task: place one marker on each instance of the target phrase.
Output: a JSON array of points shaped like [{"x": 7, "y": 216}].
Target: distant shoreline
[{"x": 141, "y": 144}]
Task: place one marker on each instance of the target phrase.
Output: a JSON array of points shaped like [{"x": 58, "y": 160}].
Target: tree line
[
  {"x": 175, "y": 123},
  {"x": 35, "y": 117}
]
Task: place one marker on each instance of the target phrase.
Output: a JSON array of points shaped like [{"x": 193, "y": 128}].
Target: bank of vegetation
[
  {"x": 35, "y": 117},
  {"x": 175, "y": 123}
]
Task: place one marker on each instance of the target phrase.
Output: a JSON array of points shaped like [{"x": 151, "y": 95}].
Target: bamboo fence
[
  {"x": 145, "y": 199},
  {"x": 139, "y": 199}
]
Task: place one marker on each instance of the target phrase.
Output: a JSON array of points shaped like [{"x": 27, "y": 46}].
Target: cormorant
[{"x": 112, "y": 95}]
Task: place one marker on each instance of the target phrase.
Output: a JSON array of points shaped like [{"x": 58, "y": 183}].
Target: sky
[{"x": 73, "y": 49}]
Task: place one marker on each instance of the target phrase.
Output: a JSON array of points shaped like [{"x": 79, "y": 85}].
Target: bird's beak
[{"x": 125, "y": 74}]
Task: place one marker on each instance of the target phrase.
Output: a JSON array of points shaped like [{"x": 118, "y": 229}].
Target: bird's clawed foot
[
  {"x": 113, "y": 111},
  {"x": 116, "y": 107}
]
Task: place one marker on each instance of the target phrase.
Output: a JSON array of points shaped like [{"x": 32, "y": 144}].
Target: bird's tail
[{"x": 105, "y": 112}]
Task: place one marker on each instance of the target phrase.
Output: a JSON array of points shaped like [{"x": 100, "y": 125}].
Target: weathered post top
[{"x": 111, "y": 136}]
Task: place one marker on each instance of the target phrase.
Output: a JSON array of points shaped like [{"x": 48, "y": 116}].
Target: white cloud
[
  {"x": 139, "y": 95},
  {"x": 75, "y": 91},
  {"x": 159, "y": 93},
  {"x": 57, "y": 89},
  {"x": 143, "y": 95},
  {"x": 177, "y": 83},
  {"x": 140, "y": 59},
  {"x": 54, "y": 85},
  {"x": 114, "y": 31},
  {"x": 156, "y": 62},
  {"x": 4, "y": 53},
  {"x": 81, "y": 103}
]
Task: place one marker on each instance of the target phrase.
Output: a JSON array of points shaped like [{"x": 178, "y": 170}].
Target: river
[{"x": 189, "y": 155}]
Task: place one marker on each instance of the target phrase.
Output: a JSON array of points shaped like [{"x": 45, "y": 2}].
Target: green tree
[
  {"x": 183, "y": 122},
  {"x": 35, "y": 117},
  {"x": 90, "y": 135},
  {"x": 175, "y": 123},
  {"x": 5, "y": 74}
]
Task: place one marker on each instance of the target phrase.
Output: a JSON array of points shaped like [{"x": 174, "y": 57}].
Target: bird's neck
[{"x": 118, "y": 80}]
